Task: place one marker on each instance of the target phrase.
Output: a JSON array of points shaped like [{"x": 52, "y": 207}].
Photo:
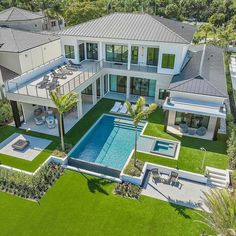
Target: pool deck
[{"x": 146, "y": 143}]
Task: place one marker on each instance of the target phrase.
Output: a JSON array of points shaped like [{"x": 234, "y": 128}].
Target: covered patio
[{"x": 193, "y": 118}]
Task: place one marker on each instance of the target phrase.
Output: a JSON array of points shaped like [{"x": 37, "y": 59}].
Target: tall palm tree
[
  {"x": 63, "y": 104},
  {"x": 206, "y": 28},
  {"x": 221, "y": 216},
  {"x": 138, "y": 112}
]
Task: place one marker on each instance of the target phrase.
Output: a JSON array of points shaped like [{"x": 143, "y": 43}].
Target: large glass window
[
  {"x": 142, "y": 87},
  {"x": 134, "y": 55},
  {"x": 118, "y": 83},
  {"x": 92, "y": 51},
  {"x": 118, "y": 53},
  {"x": 98, "y": 88},
  {"x": 192, "y": 120},
  {"x": 81, "y": 52},
  {"x": 163, "y": 94},
  {"x": 152, "y": 56},
  {"x": 88, "y": 90},
  {"x": 168, "y": 61},
  {"x": 105, "y": 84},
  {"x": 69, "y": 51}
]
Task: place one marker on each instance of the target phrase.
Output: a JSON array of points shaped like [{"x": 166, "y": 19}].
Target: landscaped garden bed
[
  {"x": 128, "y": 190},
  {"x": 30, "y": 186}
]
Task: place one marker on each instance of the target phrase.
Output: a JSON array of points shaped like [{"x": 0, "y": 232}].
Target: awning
[{"x": 195, "y": 107}]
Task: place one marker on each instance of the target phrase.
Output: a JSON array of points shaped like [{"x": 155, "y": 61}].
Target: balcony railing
[{"x": 24, "y": 85}]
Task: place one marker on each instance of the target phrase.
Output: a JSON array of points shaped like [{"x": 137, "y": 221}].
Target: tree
[
  {"x": 206, "y": 28},
  {"x": 171, "y": 11},
  {"x": 63, "y": 104},
  {"x": 231, "y": 148},
  {"x": 57, "y": 10},
  {"x": 225, "y": 35},
  {"x": 217, "y": 19},
  {"x": 138, "y": 113},
  {"x": 221, "y": 213}
]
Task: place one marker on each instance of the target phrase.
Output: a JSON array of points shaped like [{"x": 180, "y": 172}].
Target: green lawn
[
  {"x": 190, "y": 156},
  {"x": 83, "y": 205},
  {"x": 71, "y": 137}
]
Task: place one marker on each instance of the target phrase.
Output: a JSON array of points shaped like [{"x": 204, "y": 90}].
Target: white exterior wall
[
  {"x": 31, "y": 25},
  {"x": 212, "y": 123},
  {"x": 28, "y": 111},
  {"x": 171, "y": 118},
  {"x": 10, "y": 61}
]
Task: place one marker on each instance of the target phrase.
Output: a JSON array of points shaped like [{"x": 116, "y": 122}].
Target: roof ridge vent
[{"x": 202, "y": 59}]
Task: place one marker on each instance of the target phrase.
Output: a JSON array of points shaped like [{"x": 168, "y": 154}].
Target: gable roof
[
  {"x": 17, "y": 14},
  {"x": 13, "y": 40},
  {"x": 131, "y": 26},
  {"x": 203, "y": 73}
]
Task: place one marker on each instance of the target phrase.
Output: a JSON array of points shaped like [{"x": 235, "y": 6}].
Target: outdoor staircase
[{"x": 217, "y": 177}]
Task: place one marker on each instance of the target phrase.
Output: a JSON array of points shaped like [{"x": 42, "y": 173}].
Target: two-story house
[{"x": 124, "y": 56}]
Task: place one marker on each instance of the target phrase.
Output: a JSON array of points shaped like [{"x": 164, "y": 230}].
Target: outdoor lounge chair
[
  {"x": 155, "y": 175},
  {"x": 43, "y": 83},
  {"x": 183, "y": 128},
  {"x": 116, "y": 107},
  {"x": 201, "y": 131},
  {"x": 39, "y": 120},
  {"x": 65, "y": 71},
  {"x": 123, "y": 109},
  {"x": 58, "y": 75},
  {"x": 74, "y": 64},
  {"x": 174, "y": 177}
]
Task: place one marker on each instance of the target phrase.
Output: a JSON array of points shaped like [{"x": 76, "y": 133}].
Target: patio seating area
[
  {"x": 175, "y": 190},
  {"x": 23, "y": 146}
]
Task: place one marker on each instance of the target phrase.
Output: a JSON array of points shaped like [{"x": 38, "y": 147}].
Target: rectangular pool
[
  {"x": 108, "y": 143},
  {"x": 165, "y": 148}
]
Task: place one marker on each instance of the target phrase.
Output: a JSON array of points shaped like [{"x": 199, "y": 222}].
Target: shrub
[
  {"x": 128, "y": 190},
  {"x": 5, "y": 112},
  {"x": 59, "y": 153},
  {"x": 134, "y": 170},
  {"x": 27, "y": 186}
]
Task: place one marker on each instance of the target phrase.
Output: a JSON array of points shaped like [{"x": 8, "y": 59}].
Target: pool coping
[{"x": 89, "y": 130}]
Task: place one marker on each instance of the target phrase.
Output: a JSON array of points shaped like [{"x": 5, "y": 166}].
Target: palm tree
[
  {"x": 206, "y": 28},
  {"x": 63, "y": 104},
  {"x": 221, "y": 214},
  {"x": 138, "y": 112}
]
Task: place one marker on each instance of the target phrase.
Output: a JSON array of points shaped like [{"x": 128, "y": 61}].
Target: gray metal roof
[
  {"x": 131, "y": 26},
  {"x": 7, "y": 74},
  {"x": 17, "y": 14},
  {"x": 203, "y": 73},
  {"x": 13, "y": 40}
]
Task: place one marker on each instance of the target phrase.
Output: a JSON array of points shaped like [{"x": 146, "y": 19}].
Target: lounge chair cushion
[
  {"x": 201, "y": 131},
  {"x": 183, "y": 128}
]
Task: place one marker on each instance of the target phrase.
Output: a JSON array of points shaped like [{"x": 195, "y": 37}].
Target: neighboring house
[
  {"x": 17, "y": 18},
  {"x": 124, "y": 56},
  {"x": 22, "y": 51}
]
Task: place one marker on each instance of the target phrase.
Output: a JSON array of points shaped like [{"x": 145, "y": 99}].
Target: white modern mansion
[{"x": 124, "y": 56}]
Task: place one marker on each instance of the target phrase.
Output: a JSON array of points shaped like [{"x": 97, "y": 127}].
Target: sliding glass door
[
  {"x": 117, "y": 53},
  {"x": 81, "y": 52},
  {"x": 142, "y": 87},
  {"x": 192, "y": 120},
  {"x": 92, "y": 51},
  {"x": 118, "y": 83}
]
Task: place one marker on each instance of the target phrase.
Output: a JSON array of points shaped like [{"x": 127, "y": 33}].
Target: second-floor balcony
[{"x": 58, "y": 74}]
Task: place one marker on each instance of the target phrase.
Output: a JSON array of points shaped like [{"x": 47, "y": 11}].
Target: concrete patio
[{"x": 186, "y": 193}]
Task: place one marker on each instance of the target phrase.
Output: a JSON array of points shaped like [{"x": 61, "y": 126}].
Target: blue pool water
[
  {"x": 165, "y": 148},
  {"x": 109, "y": 142}
]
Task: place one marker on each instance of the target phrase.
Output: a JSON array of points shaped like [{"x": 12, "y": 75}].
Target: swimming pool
[
  {"x": 109, "y": 142},
  {"x": 165, "y": 148}
]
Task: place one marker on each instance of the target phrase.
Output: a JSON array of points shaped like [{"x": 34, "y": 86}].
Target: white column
[
  {"x": 128, "y": 88},
  {"x": 85, "y": 51},
  {"x": 76, "y": 45},
  {"x": 100, "y": 57},
  {"x": 129, "y": 55},
  {"x": 79, "y": 106},
  {"x": 156, "y": 99},
  {"x": 94, "y": 92},
  {"x": 102, "y": 86}
]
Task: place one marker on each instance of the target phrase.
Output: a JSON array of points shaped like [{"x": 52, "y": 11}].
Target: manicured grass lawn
[
  {"x": 85, "y": 205},
  {"x": 190, "y": 157},
  {"x": 71, "y": 137}
]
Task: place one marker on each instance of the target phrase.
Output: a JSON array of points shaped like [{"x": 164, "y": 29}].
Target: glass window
[
  {"x": 134, "y": 55},
  {"x": 118, "y": 53},
  {"x": 81, "y": 52},
  {"x": 152, "y": 56},
  {"x": 88, "y": 90},
  {"x": 163, "y": 94},
  {"x": 118, "y": 83},
  {"x": 192, "y": 120},
  {"x": 168, "y": 61},
  {"x": 92, "y": 51},
  {"x": 69, "y": 51},
  {"x": 105, "y": 84},
  {"x": 98, "y": 87},
  {"x": 142, "y": 87}
]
